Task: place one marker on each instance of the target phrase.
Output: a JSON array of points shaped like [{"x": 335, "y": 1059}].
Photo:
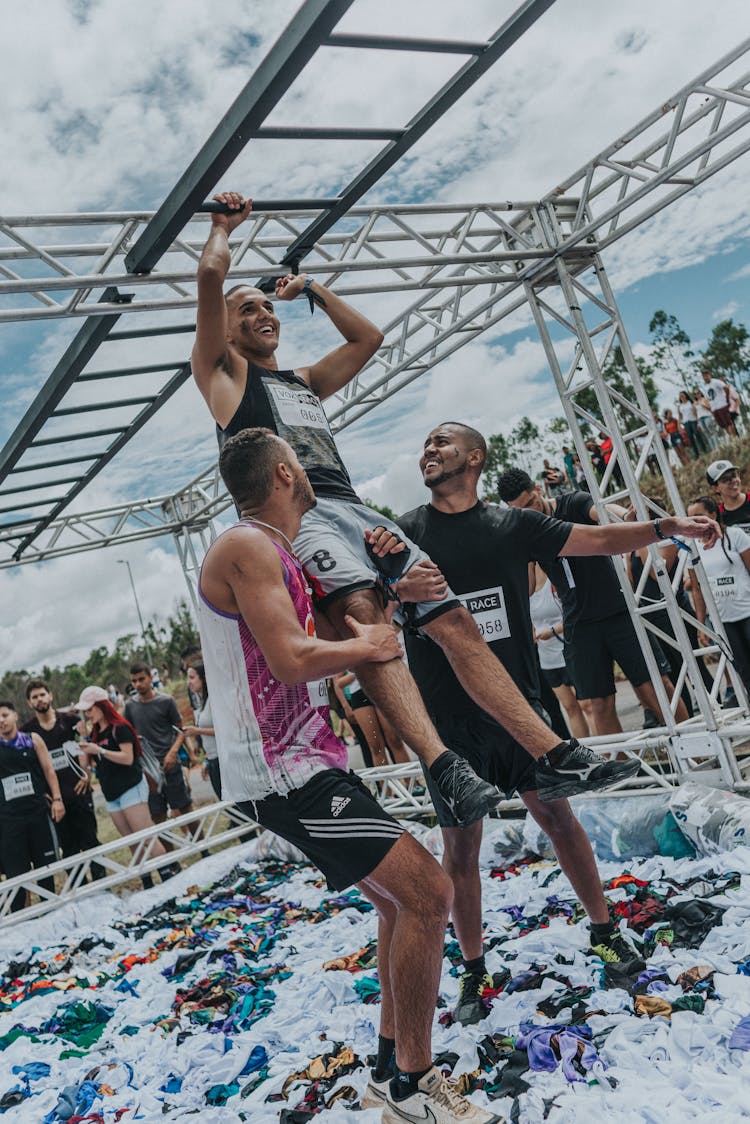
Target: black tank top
[
  {"x": 284, "y": 403},
  {"x": 22, "y": 783}
]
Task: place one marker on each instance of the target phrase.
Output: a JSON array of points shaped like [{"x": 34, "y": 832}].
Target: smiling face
[
  {"x": 729, "y": 486},
  {"x": 253, "y": 327},
  {"x": 446, "y": 454}
]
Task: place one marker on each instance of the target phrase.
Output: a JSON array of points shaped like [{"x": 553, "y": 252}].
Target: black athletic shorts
[
  {"x": 335, "y": 820},
  {"x": 596, "y": 645},
  {"x": 490, "y": 750},
  {"x": 557, "y": 676},
  {"x": 358, "y": 700},
  {"x": 174, "y": 794}
]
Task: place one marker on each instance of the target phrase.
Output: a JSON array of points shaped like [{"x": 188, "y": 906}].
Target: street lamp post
[{"x": 124, "y": 562}]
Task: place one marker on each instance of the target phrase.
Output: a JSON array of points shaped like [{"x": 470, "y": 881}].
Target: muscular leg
[
  {"x": 396, "y": 745},
  {"x": 604, "y": 715},
  {"x": 389, "y": 685},
  {"x": 573, "y": 713},
  {"x": 461, "y": 864},
  {"x": 573, "y": 852},
  {"x": 486, "y": 681},
  {"x": 420, "y": 895}
]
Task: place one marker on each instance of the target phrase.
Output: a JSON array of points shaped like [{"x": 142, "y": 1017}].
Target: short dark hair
[
  {"x": 247, "y": 464},
  {"x": 510, "y": 484},
  {"x": 6, "y": 703},
  {"x": 710, "y": 505},
  {"x": 473, "y": 436},
  {"x": 36, "y": 685},
  {"x": 137, "y": 668}
]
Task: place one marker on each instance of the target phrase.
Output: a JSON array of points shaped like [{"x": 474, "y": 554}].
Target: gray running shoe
[
  {"x": 467, "y": 795},
  {"x": 471, "y": 1008},
  {"x": 579, "y": 769},
  {"x": 436, "y": 1102}
]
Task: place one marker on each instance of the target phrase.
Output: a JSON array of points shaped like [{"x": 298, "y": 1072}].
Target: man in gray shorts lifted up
[{"x": 234, "y": 364}]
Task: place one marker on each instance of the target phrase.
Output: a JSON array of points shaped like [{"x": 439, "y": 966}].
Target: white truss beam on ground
[
  {"x": 400, "y": 789},
  {"x": 581, "y": 330}
]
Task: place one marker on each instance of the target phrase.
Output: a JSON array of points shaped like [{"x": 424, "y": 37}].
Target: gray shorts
[{"x": 331, "y": 547}]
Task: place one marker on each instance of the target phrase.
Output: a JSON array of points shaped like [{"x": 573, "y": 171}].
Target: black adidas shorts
[
  {"x": 490, "y": 750},
  {"x": 596, "y": 645},
  {"x": 335, "y": 820}
]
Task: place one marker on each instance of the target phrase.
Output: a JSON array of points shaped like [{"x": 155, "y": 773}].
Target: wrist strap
[
  {"x": 313, "y": 298},
  {"x": 657, "y": 529}
]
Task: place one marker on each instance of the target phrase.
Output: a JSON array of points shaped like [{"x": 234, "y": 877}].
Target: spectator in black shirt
[
  {"x": 598, "y": 628},
  {"x": 115, "y": 751},
  {"x": 734, "y": 502},
  {"x": 76, "y": 831}
]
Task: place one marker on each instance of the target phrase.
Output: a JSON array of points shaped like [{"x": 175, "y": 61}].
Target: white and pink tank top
[{"x": 271, "y": 736}]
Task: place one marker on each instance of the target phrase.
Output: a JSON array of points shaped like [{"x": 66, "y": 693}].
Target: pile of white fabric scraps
[{"x": 242, "y": 990}]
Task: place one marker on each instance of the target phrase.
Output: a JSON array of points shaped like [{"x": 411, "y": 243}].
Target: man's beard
[
  {"x": 303, "y": 494},
  {"x": 446, "y": 474},
  {"x": 42, "y": 708}
]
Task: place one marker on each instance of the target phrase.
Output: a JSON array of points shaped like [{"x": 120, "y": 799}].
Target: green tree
[
  {"x": 671, "y": 351},
  {"x": 728, "y": 353},
  {"x": 383, "y": 508}
]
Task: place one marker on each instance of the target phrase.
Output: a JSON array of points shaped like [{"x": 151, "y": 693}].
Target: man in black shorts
[
  {"x": 598, "y": 628},
  {"x": 235, "y": 367},
  {"x": 283, "y": 764},
  {"x": 483, "y": 553},
  {"x": 76, "y": 831},
  {"x": 157, "y": 722}
]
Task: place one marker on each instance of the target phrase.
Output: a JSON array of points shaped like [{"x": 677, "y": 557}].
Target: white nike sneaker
[
  {"x": 376, "y": 1092},
  {"x": 436, "y": 1102}
]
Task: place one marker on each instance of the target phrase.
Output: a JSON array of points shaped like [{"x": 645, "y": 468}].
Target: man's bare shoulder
[{"x": 243, "y": 549}]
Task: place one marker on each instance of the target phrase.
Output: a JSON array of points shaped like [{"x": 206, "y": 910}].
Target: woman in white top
[
  {"x": 727, "y": 566},
  {"x": 686, "y": 412},
  {"x": 546, "y": 617},
  {"x": 705, "y": 418},
  {"x": 204, "y": 726}
]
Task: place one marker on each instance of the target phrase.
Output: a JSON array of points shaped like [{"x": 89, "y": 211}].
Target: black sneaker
[
  {"x": 467, "y": 796},
  {"x": 471, "y": 1008},
  {"x": 614, "y": 949},
  {"x": 579, "y": 769}
]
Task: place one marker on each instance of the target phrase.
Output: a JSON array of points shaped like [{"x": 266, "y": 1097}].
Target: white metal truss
[
  {"x": 468, "y": 264},
  {"x": 400, "y": 789},
  {"x": 581, "y": 329}
]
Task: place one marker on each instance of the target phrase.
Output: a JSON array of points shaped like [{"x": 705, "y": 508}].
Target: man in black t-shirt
[
  {"x": 156, "y": 720},
  {"x": 76, "y": 831},
  {"x": 483, "y": 553},
  {"x": 598, "y": 627}
]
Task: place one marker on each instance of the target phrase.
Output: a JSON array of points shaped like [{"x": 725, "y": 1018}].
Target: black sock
[
  {"x": 405, "y": 1084},
  {"x": 444, "y": 761},
  {"x": 554, "y": 755},
  {"x": 601, "y": 932},
  {"x": 477, "y": 967},
  {"x": 385, "y": 1061}
]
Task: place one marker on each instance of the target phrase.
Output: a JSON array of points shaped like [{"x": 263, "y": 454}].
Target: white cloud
[{"x": 726, "y": 312}]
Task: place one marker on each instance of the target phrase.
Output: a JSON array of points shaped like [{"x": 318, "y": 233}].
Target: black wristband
[{"x": 657, "y": 529}]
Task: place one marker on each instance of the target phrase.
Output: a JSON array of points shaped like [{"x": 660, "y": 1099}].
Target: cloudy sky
[{"x": 105, "y": 104}]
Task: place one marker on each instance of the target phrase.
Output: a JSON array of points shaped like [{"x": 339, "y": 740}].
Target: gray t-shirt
[{"x": 154, "y": 721}]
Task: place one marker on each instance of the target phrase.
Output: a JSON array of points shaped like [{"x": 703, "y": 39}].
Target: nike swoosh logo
[{"x": 428, "y": 1117}]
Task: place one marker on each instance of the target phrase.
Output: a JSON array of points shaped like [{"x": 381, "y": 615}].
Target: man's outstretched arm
[
  {"x": 363, "y": 339},
  {"x": 619, "y": 538}
]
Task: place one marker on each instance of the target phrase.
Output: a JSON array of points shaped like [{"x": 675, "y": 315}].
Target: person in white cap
[
  {"x": 114, "y": 750},
  {"x": 731, "y": 497}
]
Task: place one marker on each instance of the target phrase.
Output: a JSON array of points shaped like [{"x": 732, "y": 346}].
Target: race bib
[
  {"x": 317, "y": 692},
  {"x": 59, "y": 759},
  {"x": 18, "y": 785},
  {"x": 487, "y": 606},
  {"x": 296, "y": 407},
  {"x": 724, "y": 587}
]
